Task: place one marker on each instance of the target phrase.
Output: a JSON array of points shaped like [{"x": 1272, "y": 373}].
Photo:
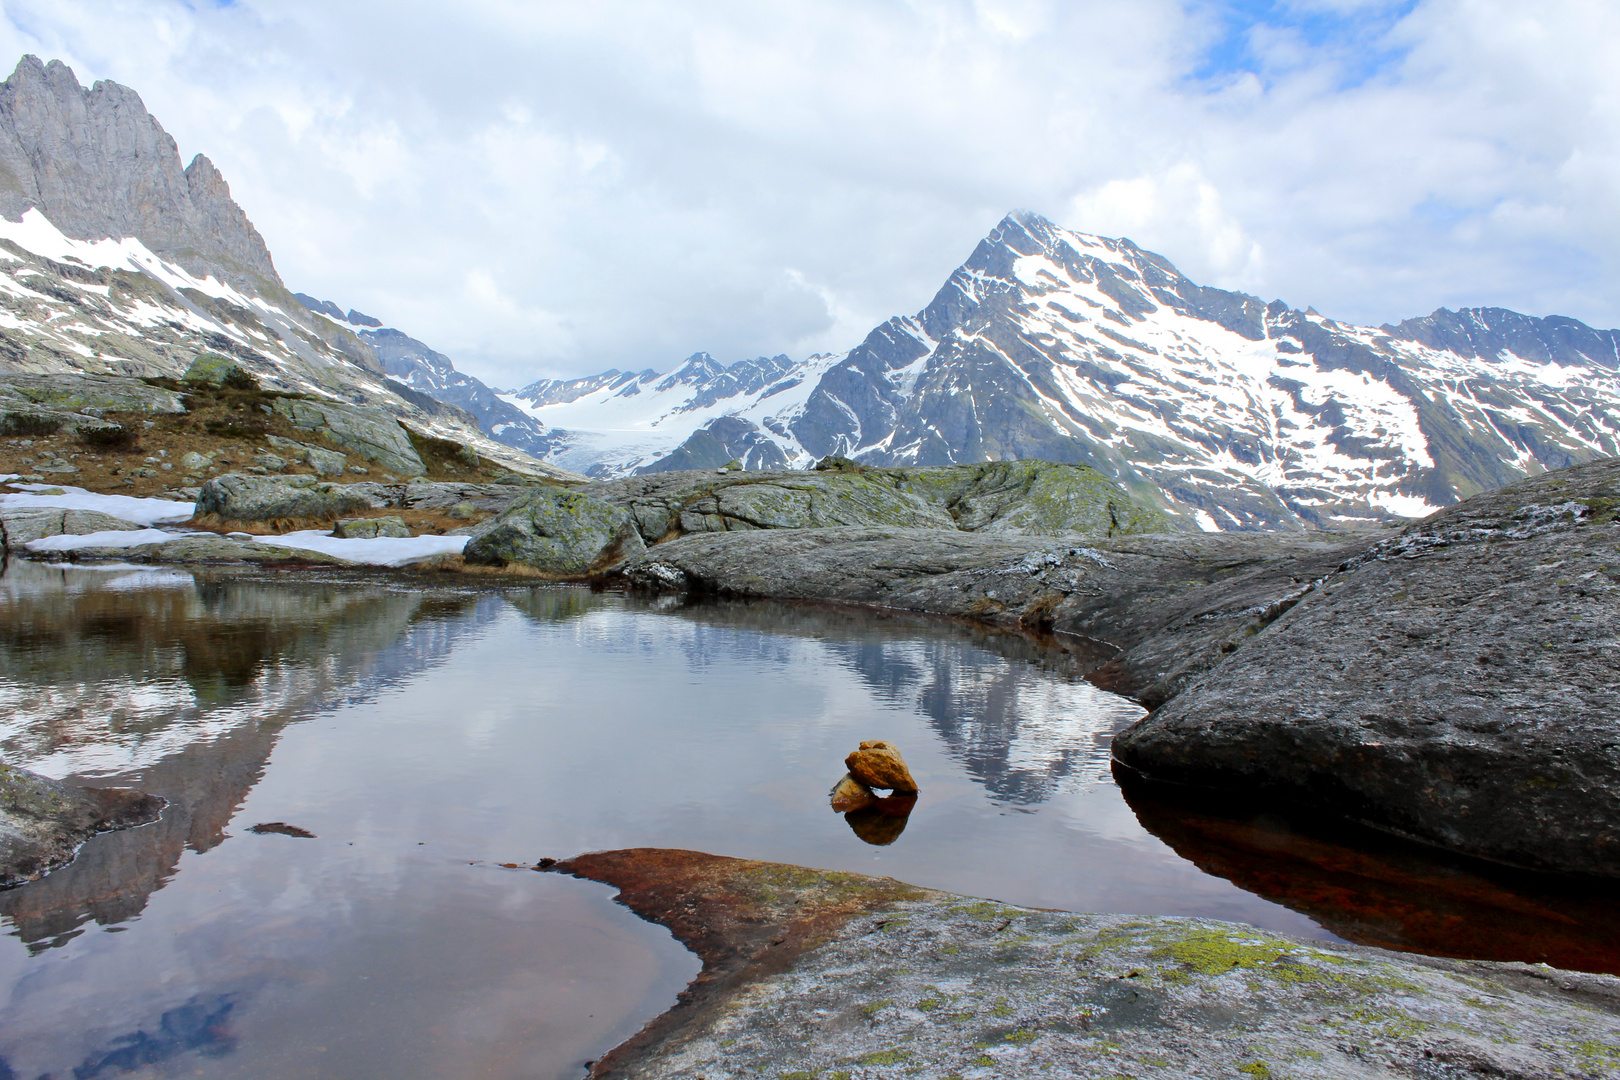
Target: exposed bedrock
[
  {"x": 43, "y": 821},
  {"x": 817, "y": 973},
  {"x": 1173, "y": 605},
  {"x": 1457, "y": 682},
  {"x": 1016, "y": 497}
]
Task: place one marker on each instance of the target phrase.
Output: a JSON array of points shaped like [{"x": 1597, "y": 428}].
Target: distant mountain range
[
  {"x": 1227, "y": 411},
  {"x": 1046, "y": 343}
]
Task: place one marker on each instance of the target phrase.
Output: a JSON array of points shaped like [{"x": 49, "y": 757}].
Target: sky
[{"x": 550, "y": 189}]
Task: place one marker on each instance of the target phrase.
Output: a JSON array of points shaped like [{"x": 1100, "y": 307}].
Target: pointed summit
[{"x": 99, "y": 166}]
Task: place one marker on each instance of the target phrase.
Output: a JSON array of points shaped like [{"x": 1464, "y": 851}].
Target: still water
[{"x": 427, "y": 736}]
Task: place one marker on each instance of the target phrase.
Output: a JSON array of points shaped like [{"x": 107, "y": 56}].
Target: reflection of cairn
[{"x": 877, "y": 820}]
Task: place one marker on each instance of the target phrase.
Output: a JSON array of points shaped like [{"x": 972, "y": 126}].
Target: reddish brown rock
[
  {"x": 878, "y": 764},
  {"x": 850, "y": 794}
]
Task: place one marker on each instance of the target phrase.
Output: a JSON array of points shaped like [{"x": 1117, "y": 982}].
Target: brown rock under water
[
  {"x": 850, "y": 794},
  {"x": 878, "y": 764},
  {"x": 881, "y": 821}
]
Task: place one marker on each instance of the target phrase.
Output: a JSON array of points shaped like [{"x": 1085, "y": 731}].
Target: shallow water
[{"x": 427, "y": 736}]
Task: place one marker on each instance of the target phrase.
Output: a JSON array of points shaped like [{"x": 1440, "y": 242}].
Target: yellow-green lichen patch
[
  {"x": 1596, "y": 1055},
  {"x": 1216, "y": 952},
  {"x": 1257, "y": 1069},
  {"x": 893, "y": 1056},
  {"x": 876, "y": 1007}
]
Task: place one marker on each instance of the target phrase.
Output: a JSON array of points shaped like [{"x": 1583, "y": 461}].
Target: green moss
[
  {"x": 885, "y": 1057},
  {"x": 984, "y": 1061},
  {"x": 876, "y": 1007},
  {"x": 1256, "y": 1068},
  {"x": 1214, "y": 952},
  {"x": 1001, "y": 1008},
  {"x": 1021, "y": 1036}
]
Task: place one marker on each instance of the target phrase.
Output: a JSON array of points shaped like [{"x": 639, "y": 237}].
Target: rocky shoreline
[{"x": 813, "y": 973}]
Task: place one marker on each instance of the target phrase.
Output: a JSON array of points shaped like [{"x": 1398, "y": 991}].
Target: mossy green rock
[
  {"x": 555, "y": 531},
  {"x": 212, "y": 369},
  {"x": 1040, "y": 498}
]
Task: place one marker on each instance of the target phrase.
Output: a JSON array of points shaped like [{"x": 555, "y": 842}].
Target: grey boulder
[
  {"x": 370, "y": 528},
  {"x": 555, "y": 531},
  {"x": 371, "y": 433},
  {"x": 21, "y": 525},
  {"x": 241, "y": 497},
  {"x": 323, "y": 461},
  {"x": 1458, "y": 682}
]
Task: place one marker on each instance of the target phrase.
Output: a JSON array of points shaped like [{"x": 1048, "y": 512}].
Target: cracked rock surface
[
  {"x": 813, "y": 973},
  {"x": 1458, "y": 682}
]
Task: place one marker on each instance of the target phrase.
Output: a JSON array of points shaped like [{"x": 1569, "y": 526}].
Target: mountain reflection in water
[{"x": 427, "y": 735}]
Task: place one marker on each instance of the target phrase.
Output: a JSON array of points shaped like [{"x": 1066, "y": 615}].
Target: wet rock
[
  {"x": 212, "y": 369},
  {"x": 370, "y": 528},
  {"x": 43, "y": 821},
  {"x": 556, "y": 531},
  {"x": 813, "y": 972},
  {"x": 371, "y": 433},
  {"x": 881, "y": 822},
  {"x": 850, "y": 794},
  {"x": 878, "y": 764},
  {"x": 1172, "y": 606},
  {"x": 280, "y": 828},
  {"x": 1457, "y": 682},
  {"x": 241, "y": 497}
]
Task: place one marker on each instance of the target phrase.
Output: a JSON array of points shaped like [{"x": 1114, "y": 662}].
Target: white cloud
[{"x": 545, "y": 188}]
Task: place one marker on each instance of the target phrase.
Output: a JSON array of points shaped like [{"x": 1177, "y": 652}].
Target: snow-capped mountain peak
[{"x": 1049, "y": 343}]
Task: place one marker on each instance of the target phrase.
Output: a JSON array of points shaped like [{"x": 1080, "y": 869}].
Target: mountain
[
  {"x": 1220, "y": 407},
  {"x": 409, "y": 361},
  {"x": 115, "y": 259}
]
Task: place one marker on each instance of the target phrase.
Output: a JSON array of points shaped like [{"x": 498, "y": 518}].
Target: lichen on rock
[
  {"x": 556, "y": 531},
  {"x": 820, "y": 973}
]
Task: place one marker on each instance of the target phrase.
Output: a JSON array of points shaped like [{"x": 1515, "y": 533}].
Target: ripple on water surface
[{"x": 426, "y": 736}]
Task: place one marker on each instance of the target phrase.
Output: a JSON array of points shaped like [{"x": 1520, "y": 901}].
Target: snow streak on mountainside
[
  {"x": 1053, "y": 344},
  {"x": 115, "y": 260}
]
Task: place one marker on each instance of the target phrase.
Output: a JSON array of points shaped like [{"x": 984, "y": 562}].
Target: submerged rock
[
  {"x": 818, "y": 973},
  {"x": 241, "y": 497},
  {"x": 850, "y": 794},
  {"x": 556, "y": 531},
  {"x": 43, "y": 821},
  {"x": 1458, "y": 682}
]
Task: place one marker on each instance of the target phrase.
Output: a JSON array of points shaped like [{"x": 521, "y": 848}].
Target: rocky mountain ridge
[{"x": 115, "y": 260}]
